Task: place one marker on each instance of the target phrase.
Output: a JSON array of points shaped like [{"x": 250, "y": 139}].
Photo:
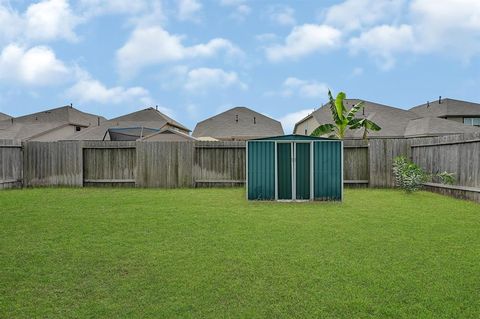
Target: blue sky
[{"x": 195, "y": 58}]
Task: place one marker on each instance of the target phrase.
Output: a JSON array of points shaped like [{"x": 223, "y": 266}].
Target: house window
[
  {"x": 471, "y": 121},
  {"x": 77, "y": 128}
]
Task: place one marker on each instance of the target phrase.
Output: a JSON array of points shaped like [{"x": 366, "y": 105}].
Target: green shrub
[
  {"x": 408, "y": 176},
  {"x": 446, "y": 178}
]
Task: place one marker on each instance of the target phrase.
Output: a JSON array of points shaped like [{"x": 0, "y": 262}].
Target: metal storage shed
[{"x": 294, "y": 167}]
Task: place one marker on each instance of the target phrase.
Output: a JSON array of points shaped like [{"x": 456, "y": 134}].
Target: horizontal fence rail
[{"x": 222, "y": 164}]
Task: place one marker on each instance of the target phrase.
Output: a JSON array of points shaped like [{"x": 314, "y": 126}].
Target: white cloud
[
  {"x": 43, "y": 21},
  {"x": 449, "y": 26},
  {"x": 289, "y": 120},
  {"x": 304, "y": 40},
  {"x": 358, "y": 71},
  {"x": 50, "y": 19},
  {"x": 87, "y": 89},
  {"x": 304, "y": 89},
  {"x": 154, "y": 45},
  {"x": 99, "y": 7},
  {"x": 242, "y": 10},
  {"x": 187, "y": 9},
  {"x": 37, "y": 66},
  {"x": 383, "y": 42},
  {"x": 358, "y": 14},
  {"x": 10, "y": 23},
  {"x": 282, "y": 15},
  {"x": 201, "y": 79}
]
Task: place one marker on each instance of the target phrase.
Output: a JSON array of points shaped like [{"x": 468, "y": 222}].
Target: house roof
[
  {"x": 4, "y": 116},
  {"x": 22, "y": 132},
  {"x": 63, "y": 114},
  {"x": 36, "y": 124},
  {"x": 149, "y": 117},
  {"x": 166, "y": 134},
  {"x": 433, "y": 126},
  {"x": 447, "y": 107},
  {"x": 392, "y": 120},
  {"x": 129, "y": 133},
  {"x": 238, "y": 122}
]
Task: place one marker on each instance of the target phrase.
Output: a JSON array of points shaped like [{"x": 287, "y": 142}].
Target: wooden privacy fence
[{"x": 213, "y": 164}]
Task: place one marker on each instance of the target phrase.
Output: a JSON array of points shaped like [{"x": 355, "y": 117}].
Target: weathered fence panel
[
  {"x": 52, "y": 164},
  {"x": 219, "y": 164},
  {"x": 381, "y": 155},
  {"x": 109, "y": 164},
  {"x": 165, "y": 164},
  {"x": 11, "y": 164},
  {"x": 454, "y": 154},
  {"x": 355, "y": 165}
]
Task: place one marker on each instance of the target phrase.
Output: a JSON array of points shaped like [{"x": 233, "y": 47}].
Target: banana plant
[{"x": 344, "y": 119}]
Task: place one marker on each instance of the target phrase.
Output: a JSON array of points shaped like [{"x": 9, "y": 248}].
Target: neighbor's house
[
  {"x": 4, "y": 116},
  {"x": 147, "y": 124},
  {"x": 50, "y": 125},
  {"x": 464, "y": 112},
  {"x": 395, "y": 122},
  {"x": 237, "y": 124}
]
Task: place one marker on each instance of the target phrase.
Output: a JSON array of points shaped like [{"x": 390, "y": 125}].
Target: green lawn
[{"x": 208, "y": 253}]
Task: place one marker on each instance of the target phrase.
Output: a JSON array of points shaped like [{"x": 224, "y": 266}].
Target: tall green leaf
[
  {"x": 323, "y": 130},
  {"x": 354, "y": 110}
]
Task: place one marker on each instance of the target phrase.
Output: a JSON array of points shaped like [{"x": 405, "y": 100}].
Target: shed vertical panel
[
  {"x": 327, "y": 170},
  {"x": 303, "y": 171},
  {"x": 284, "y": 169},
  {"x": 261, "y": 170}
]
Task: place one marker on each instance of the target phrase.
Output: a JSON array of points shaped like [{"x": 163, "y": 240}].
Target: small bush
[
  {"x": 408, "y": 176},
  {"x": 446, "y": 178}
]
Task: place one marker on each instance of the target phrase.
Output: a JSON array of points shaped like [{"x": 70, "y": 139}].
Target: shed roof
[
  {"x": 294, "y": 137},
  {"x": 447, "y": 107},
  {"x": 239, "y": 122}
]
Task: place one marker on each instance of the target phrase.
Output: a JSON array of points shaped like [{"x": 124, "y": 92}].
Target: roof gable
[
  {"x": 149, "y": 115},
  {"x": 447, "y": 107},
  {"x": 238, "y": 122},
  {"x": 433, "y": 126}
]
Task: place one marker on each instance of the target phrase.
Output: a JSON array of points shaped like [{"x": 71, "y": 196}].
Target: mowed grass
[{"x": 208, "y": 253}]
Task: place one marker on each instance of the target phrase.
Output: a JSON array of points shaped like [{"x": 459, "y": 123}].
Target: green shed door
[
  {"x": 261, "y": 170},
  {"x": 302, "y": 170},
  {"x": 284, "y": 170},
  {"x": 328, "y": 170}
]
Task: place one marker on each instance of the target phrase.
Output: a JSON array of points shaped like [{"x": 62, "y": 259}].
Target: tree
[{"x": 344, "y": 119}]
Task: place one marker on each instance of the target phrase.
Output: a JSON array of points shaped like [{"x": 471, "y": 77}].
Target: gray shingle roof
[
  {"x": 395, "y": 122},
  {"x": 64, "y": 114},
  {"x": 433, "y": 126},
  {"x": 4, "y": 116},
  {"x": 447, "y": 107},
  {"x": 392, "y": 120},
  {"x": 149, "y": 117},
  {"x": 36, "y": 124},
  {"x": 238, "y": 123}
]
